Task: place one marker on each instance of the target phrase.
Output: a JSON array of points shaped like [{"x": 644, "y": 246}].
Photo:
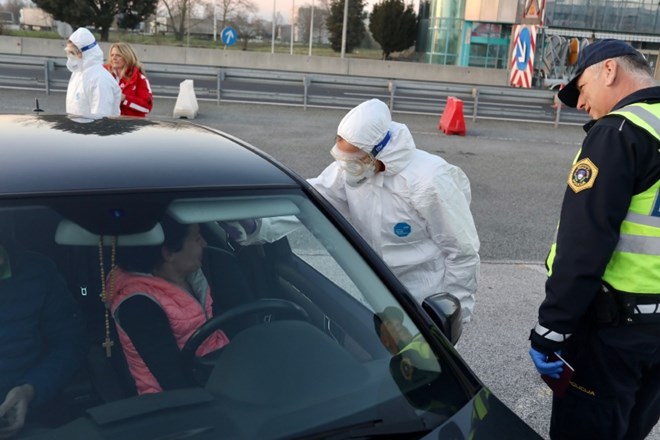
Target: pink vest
[{"x": 184, "y": 312}]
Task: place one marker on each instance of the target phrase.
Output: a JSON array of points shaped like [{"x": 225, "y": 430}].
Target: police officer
[{"x": 601, "y": 309}]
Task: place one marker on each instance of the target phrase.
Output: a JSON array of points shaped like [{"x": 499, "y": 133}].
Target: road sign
[
  {"x": 229, "y": 36},
  {"x": 533, "y": 12},
  {"x": 522, "y": 56}
]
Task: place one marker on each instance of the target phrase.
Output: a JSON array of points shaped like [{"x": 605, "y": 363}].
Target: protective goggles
[{"x": 353, "y": 163}]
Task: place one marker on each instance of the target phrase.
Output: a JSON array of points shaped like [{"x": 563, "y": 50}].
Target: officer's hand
[{"x": 552, "y": 369}]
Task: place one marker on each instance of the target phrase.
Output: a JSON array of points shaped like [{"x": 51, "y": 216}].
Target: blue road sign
[
  {"x": 229, "y": 36},
  {"x": 523, "y": 47}
]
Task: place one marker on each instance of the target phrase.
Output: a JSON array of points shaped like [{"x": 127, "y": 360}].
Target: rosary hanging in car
[{"x": 106, "y": 291}]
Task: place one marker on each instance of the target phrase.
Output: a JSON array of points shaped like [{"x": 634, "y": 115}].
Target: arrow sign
[
  {"x": 522, "y": 56},
  {"x": 229, "y": 36},
  {"x": 522, "y": 48}
]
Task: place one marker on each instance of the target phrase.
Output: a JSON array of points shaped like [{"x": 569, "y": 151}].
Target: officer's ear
[{"x": 610, "y": 71}]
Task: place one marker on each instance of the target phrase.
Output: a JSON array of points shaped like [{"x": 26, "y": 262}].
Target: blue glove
[{"x": 552, "y": 369}]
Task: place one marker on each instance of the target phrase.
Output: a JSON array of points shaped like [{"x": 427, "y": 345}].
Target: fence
[{"x": 311, "y": 90}]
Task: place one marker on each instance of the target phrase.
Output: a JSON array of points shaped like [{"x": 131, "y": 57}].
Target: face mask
[
  {"x": 358, "y": 179},
  {"x": 73, "y": 63},
  {"x": 356, "y": 170}
]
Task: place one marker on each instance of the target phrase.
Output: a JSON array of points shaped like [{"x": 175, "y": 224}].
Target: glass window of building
[
  {"x": 625, "y": 16},
  {"x": 445, "y": 29},
  {"x": 489, "y": 44}
]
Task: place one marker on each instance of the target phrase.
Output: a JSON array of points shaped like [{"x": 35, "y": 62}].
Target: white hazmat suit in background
[{"x": 92, "y": 91}]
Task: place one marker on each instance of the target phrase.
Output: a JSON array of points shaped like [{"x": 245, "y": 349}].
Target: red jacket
[{"x": 138, "y": 99}]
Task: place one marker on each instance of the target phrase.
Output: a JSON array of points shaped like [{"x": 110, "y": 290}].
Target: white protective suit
[
  {"x": 415, "y": 214},
  {"x": 92, "y": 91}
]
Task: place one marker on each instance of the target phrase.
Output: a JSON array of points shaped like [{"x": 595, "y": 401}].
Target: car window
[
  {"x": 279, "y": 329},
  {"x": 309, "y": 249}
]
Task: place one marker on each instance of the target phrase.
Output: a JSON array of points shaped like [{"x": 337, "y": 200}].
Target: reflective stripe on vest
[{"x": 635, "y": 263}]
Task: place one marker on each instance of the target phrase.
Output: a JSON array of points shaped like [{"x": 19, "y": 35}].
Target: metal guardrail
[{"x": 311, "y": 90}]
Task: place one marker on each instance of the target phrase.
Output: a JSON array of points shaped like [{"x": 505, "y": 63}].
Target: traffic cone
[
  {"x": 452, "y": 120},
  {"x": 186, "y": 103}
]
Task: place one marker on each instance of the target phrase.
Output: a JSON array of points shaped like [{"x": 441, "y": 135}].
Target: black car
[{"x": 304, "y": 311}]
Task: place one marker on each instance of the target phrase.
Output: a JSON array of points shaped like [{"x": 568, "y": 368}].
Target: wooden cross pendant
[{"x": 108, "y": 346}]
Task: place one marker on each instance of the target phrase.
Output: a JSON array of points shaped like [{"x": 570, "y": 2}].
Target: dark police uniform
[{"x": 601, "y": 307}]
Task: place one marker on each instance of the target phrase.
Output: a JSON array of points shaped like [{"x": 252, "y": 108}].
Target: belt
[{"x": 646, "y": 309}]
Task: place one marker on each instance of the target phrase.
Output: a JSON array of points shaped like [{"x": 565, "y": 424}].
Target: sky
[{"x": 284, "y": 7}]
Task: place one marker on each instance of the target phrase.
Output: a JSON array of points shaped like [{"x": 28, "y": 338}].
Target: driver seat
[{"x": 228, "y": 281}]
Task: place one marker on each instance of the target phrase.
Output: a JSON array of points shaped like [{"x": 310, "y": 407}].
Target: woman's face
[
  {"x": 189, "y": 258},
  {"x": 117, "y": 62}
]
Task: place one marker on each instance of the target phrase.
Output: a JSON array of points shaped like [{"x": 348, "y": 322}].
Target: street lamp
[
  {"x": 343, "y": 29},
  {"x": 293, "y": 3},
  {"x": 272, "y": 36},
  {"x": 311, "y": 29},
  {"x": 188, "y": 25},
  {"x": 215, "y": 21}
]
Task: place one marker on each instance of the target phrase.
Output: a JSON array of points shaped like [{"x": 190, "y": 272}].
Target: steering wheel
[{"x": 264, "y": 307}]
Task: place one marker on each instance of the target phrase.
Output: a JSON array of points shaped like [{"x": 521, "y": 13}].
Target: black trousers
[{"x": 615, "y": 390}]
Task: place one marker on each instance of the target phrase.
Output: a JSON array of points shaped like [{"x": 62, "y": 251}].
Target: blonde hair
[{"x": 128, "y": 54}]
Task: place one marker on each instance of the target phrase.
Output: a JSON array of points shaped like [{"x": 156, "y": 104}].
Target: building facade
[{"x": 480, "y": 33}]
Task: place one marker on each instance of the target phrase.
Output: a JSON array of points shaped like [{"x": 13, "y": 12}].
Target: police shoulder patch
[{"x": 583, "y": 175}]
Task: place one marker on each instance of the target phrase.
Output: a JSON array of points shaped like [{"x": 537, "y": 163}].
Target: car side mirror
[{"x": 445, "y": 311}]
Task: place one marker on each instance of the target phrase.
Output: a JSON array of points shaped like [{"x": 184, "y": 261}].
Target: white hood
[
  {"x": 368, "y": 124},
  {"x": 85, "y": 41}
]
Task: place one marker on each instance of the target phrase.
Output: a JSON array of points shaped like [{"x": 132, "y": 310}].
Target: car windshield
[{"x": 283, "y": 329}]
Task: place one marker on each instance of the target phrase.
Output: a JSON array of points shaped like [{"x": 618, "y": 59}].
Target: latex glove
[
  {"x": 14, "y": 409},
  {"x": 552, "y": 369},
  {"x": 239, "y": 230}
]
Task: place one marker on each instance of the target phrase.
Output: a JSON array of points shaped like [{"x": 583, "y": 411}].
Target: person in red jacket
[{"x": 136, "y": 96}]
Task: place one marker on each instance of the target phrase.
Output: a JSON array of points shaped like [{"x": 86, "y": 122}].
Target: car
[{"x": 305, "y": 311}]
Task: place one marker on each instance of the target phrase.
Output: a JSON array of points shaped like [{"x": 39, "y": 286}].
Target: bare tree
[
  {"x": 247, "y": 27},
  {"x": 180, "y": 15},
  {"x": 229, "y": 10}
]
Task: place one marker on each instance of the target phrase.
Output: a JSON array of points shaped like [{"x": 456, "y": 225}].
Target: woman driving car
[{"x": 159, "y": 298}]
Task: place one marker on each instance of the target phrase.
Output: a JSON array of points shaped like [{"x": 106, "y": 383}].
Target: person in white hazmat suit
[
  {"x": 412, "y": 207},
  {"x": 92, "y": 91}
]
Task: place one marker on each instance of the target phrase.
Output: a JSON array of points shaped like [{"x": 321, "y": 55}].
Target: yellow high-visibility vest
[{"x": 635, "y": 263}]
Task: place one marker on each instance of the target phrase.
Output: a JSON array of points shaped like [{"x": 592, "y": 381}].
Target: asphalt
[{"x": 518, "y": 173}]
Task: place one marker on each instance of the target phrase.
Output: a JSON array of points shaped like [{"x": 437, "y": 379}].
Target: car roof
[{"x": 60, "y": 153}]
